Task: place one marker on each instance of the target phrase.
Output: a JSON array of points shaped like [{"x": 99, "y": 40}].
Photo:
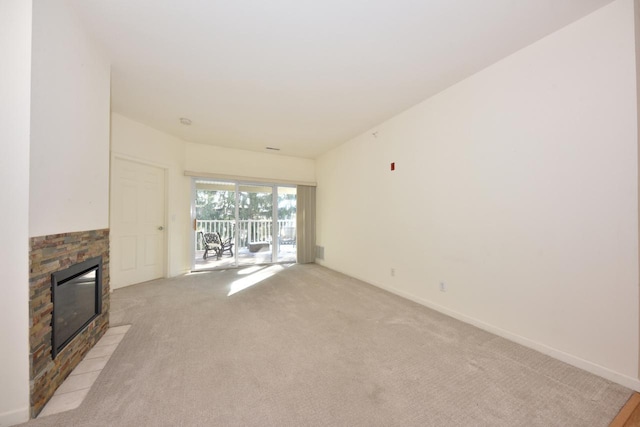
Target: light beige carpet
[{"x": 311, "y": 347}]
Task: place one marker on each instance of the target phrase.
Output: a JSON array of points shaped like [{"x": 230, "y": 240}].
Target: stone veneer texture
[{"x": 47, "y": 255}]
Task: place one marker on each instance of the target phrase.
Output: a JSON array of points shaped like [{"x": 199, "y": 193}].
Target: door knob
[{"x": 161, "y": 228}]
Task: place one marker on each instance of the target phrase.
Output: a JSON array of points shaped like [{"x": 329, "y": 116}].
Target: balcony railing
[{"x": 249, "y": 231}]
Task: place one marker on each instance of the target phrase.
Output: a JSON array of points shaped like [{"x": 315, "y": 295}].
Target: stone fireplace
[{"x": 49, "y": 255}]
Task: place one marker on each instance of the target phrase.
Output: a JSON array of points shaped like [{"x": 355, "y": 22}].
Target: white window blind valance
[{"x": 247, "y": 179}]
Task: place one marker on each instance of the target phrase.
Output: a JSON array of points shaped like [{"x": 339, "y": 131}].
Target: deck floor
[{"x": 287, "y": 253}]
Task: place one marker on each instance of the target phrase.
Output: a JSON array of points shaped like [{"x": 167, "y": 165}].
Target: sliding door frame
[{"x": 275, "y": 243}]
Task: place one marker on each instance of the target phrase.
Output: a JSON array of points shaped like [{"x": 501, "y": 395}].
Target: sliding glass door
[
  {"x": 214, "y": 224},
  {"x": 255, "y": 221},
  {"x": 239, "y": 224}
]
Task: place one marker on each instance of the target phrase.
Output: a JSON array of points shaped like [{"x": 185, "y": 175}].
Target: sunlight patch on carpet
[{"x": 253, "y": 279}]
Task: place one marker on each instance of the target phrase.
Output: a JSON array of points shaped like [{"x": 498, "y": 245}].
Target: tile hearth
[{"x": 77, "y": 385}]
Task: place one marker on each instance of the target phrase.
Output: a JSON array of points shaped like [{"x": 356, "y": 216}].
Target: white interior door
[{"x": 137, "y": 223}]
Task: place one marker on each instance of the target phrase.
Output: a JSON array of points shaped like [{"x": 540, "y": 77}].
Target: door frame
[{"x": 165, "y": 176}]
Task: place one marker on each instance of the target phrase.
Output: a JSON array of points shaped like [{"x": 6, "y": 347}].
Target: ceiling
[{"x": 302, "y": 76}]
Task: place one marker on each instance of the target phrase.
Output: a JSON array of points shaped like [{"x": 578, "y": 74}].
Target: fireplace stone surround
[{"x": 47, "y": 255}]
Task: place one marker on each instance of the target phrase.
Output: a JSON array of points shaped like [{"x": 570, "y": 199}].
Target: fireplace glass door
[{"x": 77, "y": 300}]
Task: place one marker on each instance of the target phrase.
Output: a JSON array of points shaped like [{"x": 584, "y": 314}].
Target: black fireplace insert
[{"x": 77, "y": 300}]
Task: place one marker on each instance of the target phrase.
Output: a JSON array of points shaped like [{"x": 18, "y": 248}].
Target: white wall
[
  {"x": 135, "y": 141},
  {"x": 69, "y": 125},
  {"x": 518, "y": 189},
  {"x": 229, "y": 161},
  {"x": 15, "y": 82}
]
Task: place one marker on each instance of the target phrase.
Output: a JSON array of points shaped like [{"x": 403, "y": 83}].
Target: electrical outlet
[
  {"x": 393, "y": 272},
  {"x": 443, "y": 287}
]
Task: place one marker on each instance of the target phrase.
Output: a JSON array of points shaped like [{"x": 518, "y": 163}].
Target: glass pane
[
  {"x": 255, "y": 224},
  {"x": 287, "y": 224},
  {"x": 215, "y": 214}
]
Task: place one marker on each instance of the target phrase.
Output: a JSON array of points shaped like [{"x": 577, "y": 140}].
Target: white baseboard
[
  {"x": 12, "y": 418},
  {"x": 616, "y": 377}
]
